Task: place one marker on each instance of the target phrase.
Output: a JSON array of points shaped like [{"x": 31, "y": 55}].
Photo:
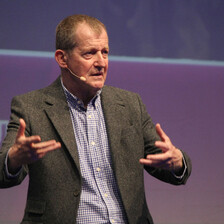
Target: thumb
[{"x": 21, "y": 130}]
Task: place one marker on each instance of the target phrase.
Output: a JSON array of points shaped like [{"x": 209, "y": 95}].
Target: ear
[{"x": 61, "y": 58}]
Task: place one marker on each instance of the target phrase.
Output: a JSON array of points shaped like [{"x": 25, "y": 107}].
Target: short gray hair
[{"x": 65, "y": 31}]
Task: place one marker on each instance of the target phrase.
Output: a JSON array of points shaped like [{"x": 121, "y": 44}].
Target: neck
[{"x": 78, "y": 88}]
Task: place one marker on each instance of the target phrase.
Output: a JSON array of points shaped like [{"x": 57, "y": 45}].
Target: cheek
[
  {"x": 106, "y": 69},
  {"x": 105, "y": 76},
  {"x": 84, "y": 66},
  {"x": 89, "y": 68}
]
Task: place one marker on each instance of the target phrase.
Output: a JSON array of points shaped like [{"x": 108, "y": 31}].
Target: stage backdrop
[
  {"x": 187, "y": 99},
  {"x": 176, "y": 66}
]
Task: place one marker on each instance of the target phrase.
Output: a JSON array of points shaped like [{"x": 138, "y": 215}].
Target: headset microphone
[{"x": 82, "y": 78}]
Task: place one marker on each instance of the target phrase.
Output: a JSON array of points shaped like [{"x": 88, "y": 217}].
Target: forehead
[{"x": 85, "y": 35}]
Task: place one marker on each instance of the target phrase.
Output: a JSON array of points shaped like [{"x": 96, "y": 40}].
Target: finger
[
  {"x": 29, "y": 140},
  {"x": 145, "y": 162},
  {"x": 21, "y": 130},
  {"x": 161, "y": 133},
  {"x": 162, "y": 145},
  {"x": 35, "y": 153},
  {"x": 150, "y": 163},
  {"x": 157, "y": 162},
  {"x": 157, "y": 158},
  {"x": 154, "y": 159},
  {"x": 48, "y": 148},
  {"x": 43, "y": 144}
]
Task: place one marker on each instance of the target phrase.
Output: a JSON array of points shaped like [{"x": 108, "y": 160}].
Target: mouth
[{"x": 99, "y": 74}]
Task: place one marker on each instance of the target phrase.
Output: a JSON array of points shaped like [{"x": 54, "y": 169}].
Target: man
[{"x": 84, "y": 144}]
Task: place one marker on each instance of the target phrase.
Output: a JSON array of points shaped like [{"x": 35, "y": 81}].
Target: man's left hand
[{"x": 171, "y": 158}]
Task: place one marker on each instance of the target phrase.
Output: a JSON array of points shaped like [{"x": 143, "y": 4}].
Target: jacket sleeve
[
  {"x": 150, "y": 136},
  {"x": 17, "y": 112}
]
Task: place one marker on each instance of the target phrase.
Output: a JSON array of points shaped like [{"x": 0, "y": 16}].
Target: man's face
[{"x": 90, "y": 57}]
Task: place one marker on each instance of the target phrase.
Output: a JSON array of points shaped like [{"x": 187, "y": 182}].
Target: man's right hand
[{"x": 27, "y": 150}]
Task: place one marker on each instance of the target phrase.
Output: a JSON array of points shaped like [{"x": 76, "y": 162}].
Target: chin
[{"x": 98, "y": 85}]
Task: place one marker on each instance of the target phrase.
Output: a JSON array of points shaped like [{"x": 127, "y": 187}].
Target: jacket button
[{"x": 76, "y": 193}]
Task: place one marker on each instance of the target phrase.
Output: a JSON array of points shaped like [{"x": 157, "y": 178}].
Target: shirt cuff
[
  {"x": 8, "y": 174},
  {"x": 185, "y": 169}
]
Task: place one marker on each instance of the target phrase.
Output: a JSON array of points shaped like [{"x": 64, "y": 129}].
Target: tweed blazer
[{"x": 55, "y": 180}]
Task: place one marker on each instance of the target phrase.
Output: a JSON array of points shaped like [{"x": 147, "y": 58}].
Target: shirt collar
[{"x": 75, "y": 102}]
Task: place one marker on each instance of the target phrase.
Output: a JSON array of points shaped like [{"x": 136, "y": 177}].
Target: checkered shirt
[{"x": 100, "y": 201}]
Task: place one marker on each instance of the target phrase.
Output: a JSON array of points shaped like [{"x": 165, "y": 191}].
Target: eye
[
  {"x": 105, "y": 52},
  {"x": 89, "y": 54}
]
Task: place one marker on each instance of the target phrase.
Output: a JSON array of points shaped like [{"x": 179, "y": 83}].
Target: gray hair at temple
[{"x": 65, "y": 31}]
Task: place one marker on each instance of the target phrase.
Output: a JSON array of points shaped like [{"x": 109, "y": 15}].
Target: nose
[{"x": 100, "y": 61}]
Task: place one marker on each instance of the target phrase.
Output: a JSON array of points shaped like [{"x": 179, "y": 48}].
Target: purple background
[{"x": 186, "y": 99}]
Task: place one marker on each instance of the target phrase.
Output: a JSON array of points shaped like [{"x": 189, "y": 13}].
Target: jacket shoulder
[
  {"x": 118, "y": 92},
  {"x": 52, "y": 90}
]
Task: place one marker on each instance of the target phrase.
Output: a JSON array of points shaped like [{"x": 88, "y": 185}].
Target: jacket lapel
[
  {"x": 121, "y": 133},
  {"x": 57, "y": 111},
  {"x": 116, "y": 120}
]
